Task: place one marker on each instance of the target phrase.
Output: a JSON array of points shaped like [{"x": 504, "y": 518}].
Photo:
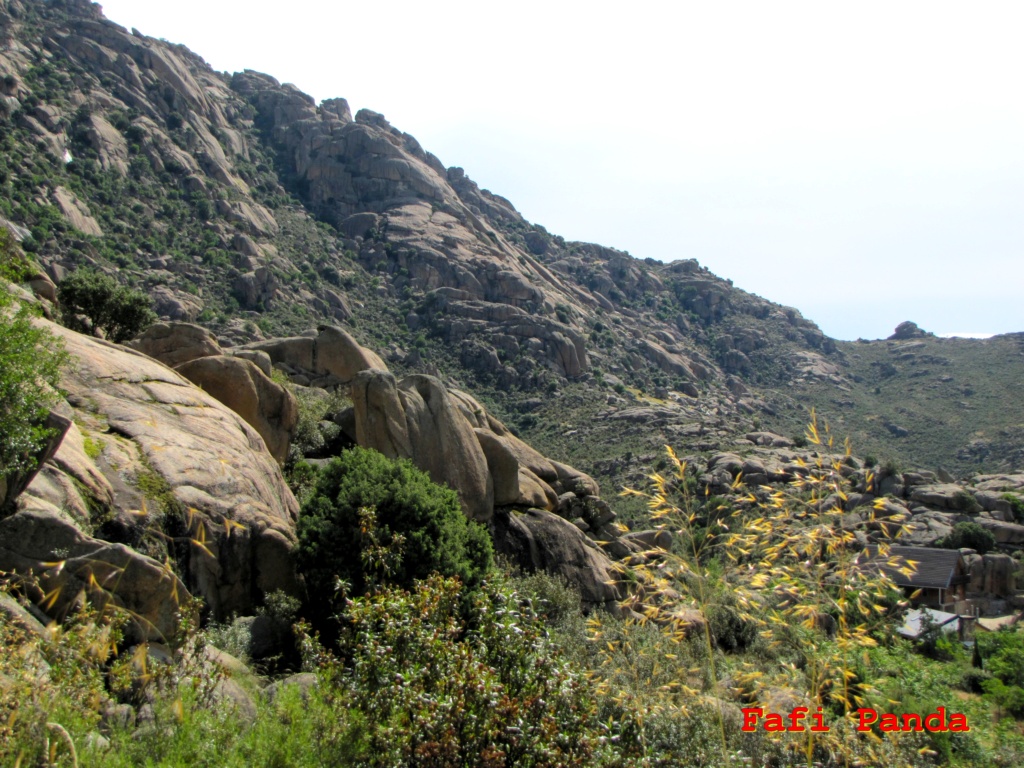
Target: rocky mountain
[
  {"x": 324, "y": 282},
  {"x": 240, "y": 204}
]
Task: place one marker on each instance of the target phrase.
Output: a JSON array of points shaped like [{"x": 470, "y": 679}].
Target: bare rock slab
[
  {"x": 541, "y": 540},
  {"x": 215, "y": 465}
]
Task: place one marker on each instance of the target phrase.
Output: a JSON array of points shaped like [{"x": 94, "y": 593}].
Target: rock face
[
  {"x": 256, "y": 289},
  {"x": 164, "y": 464},
  {"x": 415, "y": 419},
  {"x": 176, "y": 343},
  {"x": 175, "y": 305},
  {"x": 503, "y": 467},
  {"x": 240, "y": 381},
  {"x": 909, "y": 330},
  {"x": 449, "y": 435},
  {"x": 1010, "y": 534},
  {"x": 992, "y": 574},
  {"x": 76, "y": 212},
  {"x": 69, "y": 562},
  {"x": 444, "y": 442},
  {"x": 946, "y": 496},
  {"x": 245, "y": 389},
  {"x": 537, "y": 539},
  {"x": 332, "y": 355}
]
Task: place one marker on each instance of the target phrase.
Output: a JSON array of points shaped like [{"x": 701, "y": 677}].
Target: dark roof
[{"x": 933, "y": 568}]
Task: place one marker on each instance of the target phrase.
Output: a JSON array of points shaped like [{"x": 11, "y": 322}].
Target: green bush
[
  {"x": 440, "y": 688},
  {"x": 1003, "y": 654},
  {"x": 974, "y": 679},
  {"x": 14, "y": 265},
  {"x": 550, "y": 596},
  {"x": 1016, "y": 504},
  {"x": 372, "y": 519},
  {"x": 965, "y": 500},
  {"x": 119, "y": 311},
  {"x": 30, "y": 361},
  {"x": 311, "y": 436},
  {"x": 970, "y": 535}
]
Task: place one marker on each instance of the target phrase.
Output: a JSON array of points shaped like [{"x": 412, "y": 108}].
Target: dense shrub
[
  {"x": 964, "y": 500},
  {"x": 970, "y": 535},
  {"x": 30, "y": 361},
  {"x": 776, "y": 579},
  {"x": 729, "y": 629},
  {"x": 1016, "y": 504},
  {"x": 372, "y": 519},
  {"x": 974, "y": 679},
  {"x": 49, "y": 683},
  {"x": 422, "y": 680},
  {"x": 120, "y": 312},
  {"x": 14, "y": 265},
  {"x": 315, "y": 434},
  {"x": 29, "y": 369},
  {"x": 442, "y": 688},
  {"x": 1003, "y": 653}
]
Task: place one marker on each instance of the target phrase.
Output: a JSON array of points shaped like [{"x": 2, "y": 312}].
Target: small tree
[
  {"x": 970, "y": 535},
  {"x": 1004, "y": 658},
  {"x": 119, "y": 311},
  {"x": 14, "y": 265},
  {"x": 30, "y": 362},
  {"x": 443, "y": 683},
  {"x": 373, "y": 520}
]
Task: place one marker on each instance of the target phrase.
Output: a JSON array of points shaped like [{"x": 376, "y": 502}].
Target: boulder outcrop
[
  {"x": 541, "y": 540},
  {"x": 991, "y": 574},
  {"x": 415, "y": 419},
  {"x": 176, "y": 343},
  {"x": 245, "y": 389},
  {"x": 161, "y": 461},
  {"x": 909, "y": 330},
  {"x": 69, "y": 565},
  {"x": 333, "y": 355},
  {"x": 448, "y": 434}
]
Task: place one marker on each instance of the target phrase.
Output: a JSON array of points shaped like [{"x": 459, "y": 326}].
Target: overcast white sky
[{"x": 863, "y": 162}]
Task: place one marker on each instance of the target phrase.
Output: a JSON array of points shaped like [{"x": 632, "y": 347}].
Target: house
[{"x": 937, "y": 577}]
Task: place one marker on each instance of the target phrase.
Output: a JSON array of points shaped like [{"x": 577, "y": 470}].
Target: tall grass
[{"x": 777, "y": 580}]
